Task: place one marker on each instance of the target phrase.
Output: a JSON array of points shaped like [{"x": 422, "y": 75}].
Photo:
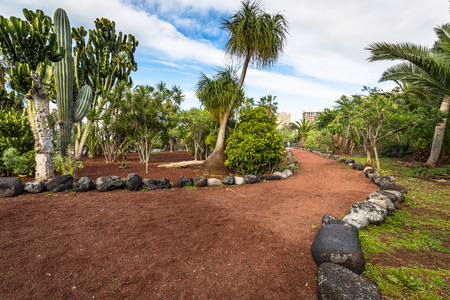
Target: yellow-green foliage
[{"x": 256, "y": 147}]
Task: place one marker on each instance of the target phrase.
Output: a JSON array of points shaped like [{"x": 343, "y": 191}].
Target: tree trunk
[
  {"x": 438, "y": 138},
  {"x": 337, "y": 143},
  {"x": 43, "y": 146},
  {"x": 348, "y": 139},
  {"x": 368, "y": 152},
  {"x": 376, "y": 158},
  {"x": 215, "y": 163}
]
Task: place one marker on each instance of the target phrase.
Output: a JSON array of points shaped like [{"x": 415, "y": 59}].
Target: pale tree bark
[
  {"x": 367, "y": 145},
  {"x": 38, "y": 111},
  {"x": 438, "y": 138},
  {"x": 337, "y": 143},
  {"x": 215, "y": 163}
]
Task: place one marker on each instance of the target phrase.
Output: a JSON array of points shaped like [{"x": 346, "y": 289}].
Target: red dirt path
[{"x": 238, "y": 242}]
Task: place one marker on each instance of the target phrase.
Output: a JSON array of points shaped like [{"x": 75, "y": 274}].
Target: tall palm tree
[
  {"x": 268, "y": 102},
  {"x": 217, "y": 95},
  {"x": 256, "y": 38},
  {"x": 425, "y": 67}
]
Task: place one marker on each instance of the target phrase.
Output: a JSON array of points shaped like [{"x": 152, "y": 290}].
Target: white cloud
[
  {"x": 324, "y": 51},
  {"x": 274, "y": 83}
]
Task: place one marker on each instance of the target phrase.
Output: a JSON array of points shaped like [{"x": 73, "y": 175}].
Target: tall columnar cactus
[{"x": 69, "y": 112}]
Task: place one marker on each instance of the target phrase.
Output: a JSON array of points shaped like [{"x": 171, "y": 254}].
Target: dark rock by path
[
  {"x": 358, "y": 166},
  {"x": 385, "y": 180},
  {"x": 133, "y": 182},
  {"x": 228, "y": 180},
  {"x": 109, "y": 183},
  {"x": 338, "y": 283},
  {"x": 399, "y": 196},
  {"x": 200, "y": 182},
  {"x": 184, "y": 181},
  {"x": 271, "y": 177},
  {"x": 162, "y": 184},
  {"x": 10, "y": 186},
  {"x": 84, "y": 184},
  {"x": 35, "y": 187},
  {"x": 329, "y": 219},
  {"x": 60, "y": 183},
  {"x": 338, "y": 244},
  {"x": 394, "y": 187},
  {"x": 376, "y": 214},
  {"x": 250, "y": 179}
]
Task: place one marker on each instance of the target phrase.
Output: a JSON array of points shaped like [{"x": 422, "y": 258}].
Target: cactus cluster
[
  {"x": 29, "y": 47},
  {"x": 69, "y": 111}
]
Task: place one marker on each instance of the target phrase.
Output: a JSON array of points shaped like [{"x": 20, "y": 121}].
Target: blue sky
[{"x": 324, "y": 56}]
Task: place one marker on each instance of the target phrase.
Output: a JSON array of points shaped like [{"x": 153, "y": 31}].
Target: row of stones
[
  {"x": 336, "y": 248},
  {"x": 10, "y": 187}
]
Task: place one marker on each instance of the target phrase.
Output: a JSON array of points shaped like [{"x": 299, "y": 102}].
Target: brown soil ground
[{"x": 229, "y": 242}]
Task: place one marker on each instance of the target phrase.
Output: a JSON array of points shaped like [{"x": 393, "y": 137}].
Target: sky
[{"x": 324, "y": 55}]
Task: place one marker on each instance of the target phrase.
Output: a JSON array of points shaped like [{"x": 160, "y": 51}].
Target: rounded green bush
[{"x": 256, "y": 147}]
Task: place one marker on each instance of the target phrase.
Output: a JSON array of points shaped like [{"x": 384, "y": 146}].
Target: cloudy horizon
[{"x": 324, "y": 56}]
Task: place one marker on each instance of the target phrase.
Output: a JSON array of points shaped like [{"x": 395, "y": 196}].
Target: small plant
[
  {"x": 143, "y": 190},
  {"x": 66, "y": 165},
  {"x": 265, "y": 180},
  {"x": 190, "y": 187},
  {"x": 297, "y": 169},
  {"x": 123, "y": 165}
]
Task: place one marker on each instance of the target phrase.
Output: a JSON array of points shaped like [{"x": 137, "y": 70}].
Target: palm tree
[
  {"x": 303, "y": 127},
  {"x": 425, "y": 67},
  {"x": 256, "y": 38},
  {"x": 268, "y": 102},
  {"x": 217, "y": 94}
]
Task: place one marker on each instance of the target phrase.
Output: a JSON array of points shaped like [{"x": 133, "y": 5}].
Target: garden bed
[{"x": 250, "y": 241}]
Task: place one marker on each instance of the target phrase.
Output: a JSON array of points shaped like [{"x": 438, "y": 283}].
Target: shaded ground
[{"x": 246, "y": 242}]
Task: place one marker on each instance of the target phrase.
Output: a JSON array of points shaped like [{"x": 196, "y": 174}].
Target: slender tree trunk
[
  {"x": 43, "y": 147},
  {"x": 195, "y": 150},
  {"x": 215, "y": 163},
  {"x": 337, "y": 143},
  {"x": 438, "y": 138},
  {"x": 348, "y": 139},
  {"x": 376, "y": 158},
  {"x": 368, "y": 152}
]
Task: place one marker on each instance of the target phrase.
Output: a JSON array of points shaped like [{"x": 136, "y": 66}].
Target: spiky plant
[{"x": 69, "y": 111}]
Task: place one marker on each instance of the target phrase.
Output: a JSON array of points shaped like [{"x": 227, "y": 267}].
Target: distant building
[
  {"x": 284, "y": 118},
  {"x": 311, "y": 114}
]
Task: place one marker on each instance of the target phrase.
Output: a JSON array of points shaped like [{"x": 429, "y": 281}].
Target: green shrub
[
  {"x": 15, "y": 133},
  {"x": 319, "y": 140},
  {"x": 256, "y": 147},
  {"x": 16, "y": 163}
]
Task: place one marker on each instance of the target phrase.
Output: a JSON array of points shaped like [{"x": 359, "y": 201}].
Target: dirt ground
[{"x": 229, "y": 242}]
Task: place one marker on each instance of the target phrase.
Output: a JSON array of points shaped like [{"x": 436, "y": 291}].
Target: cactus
[{"x": 68, "y": 111}]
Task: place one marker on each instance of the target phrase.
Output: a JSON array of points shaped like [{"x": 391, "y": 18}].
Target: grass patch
[
  {"x": 407, "y": 256},
  {"x": 190, "y": 187},
  {"x": 409, "y": 282}
]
